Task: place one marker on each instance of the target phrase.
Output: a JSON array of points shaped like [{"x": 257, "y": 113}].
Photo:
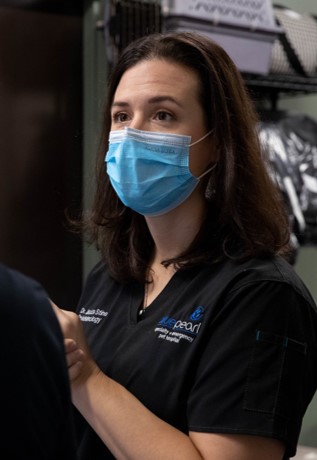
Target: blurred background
[
  {"x": 55, "y": 57},
  {"x": 41, "y": 94}
]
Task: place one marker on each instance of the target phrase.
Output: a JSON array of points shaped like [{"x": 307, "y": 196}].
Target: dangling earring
[{"x": 211, "y": 185}]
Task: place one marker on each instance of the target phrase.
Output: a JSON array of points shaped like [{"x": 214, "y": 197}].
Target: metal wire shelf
[{"x": 283, "y": 84}]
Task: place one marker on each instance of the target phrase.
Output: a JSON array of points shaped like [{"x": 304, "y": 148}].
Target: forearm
[
  {"x": 126, "y": 426},
  {"x": 130, "y": 430}
]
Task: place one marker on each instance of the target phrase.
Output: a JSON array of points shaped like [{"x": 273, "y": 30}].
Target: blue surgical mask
[{"x": 149, "y": 170}]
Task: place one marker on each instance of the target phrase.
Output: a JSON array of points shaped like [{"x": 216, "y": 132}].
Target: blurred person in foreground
[{"x": 35, "y": 400}]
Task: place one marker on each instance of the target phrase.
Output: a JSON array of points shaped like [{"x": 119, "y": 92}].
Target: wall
[{"x": 40, "y": 146}]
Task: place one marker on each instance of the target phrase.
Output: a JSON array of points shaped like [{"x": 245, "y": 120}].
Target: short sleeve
[{"x": 257, "y": 371}]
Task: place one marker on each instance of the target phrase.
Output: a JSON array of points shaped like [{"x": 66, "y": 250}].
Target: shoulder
[
  {"x": 268, "y": 295},
  {"x": 260, "y": 291},
  {"x": 99, "y": 270},
  {"x": 10, "y": 278},
  {"x": 15, "y": 287},
  {"x": 24, "y": 302},
  {"x": 275, "y": 272},
  {"x": 98, "y": 286},
  {"x": 98, "y": 276}
]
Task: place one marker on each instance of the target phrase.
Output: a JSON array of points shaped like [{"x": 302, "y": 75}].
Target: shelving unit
[{"x": 272, "y": 87}]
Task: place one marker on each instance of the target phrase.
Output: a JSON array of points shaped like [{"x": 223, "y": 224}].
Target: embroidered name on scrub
[{"x": 92, "y": 315}]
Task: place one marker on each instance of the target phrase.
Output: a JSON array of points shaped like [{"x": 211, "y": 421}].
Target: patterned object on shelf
[
  {"x": 294, "y": 51},
  {"x": 289, "y": 143}
]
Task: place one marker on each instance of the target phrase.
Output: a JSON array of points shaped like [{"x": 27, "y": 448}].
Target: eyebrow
[{"x": 152, "y": 100}]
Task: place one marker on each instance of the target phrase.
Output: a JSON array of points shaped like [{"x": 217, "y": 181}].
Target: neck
[{"x": 174, "y": 232}]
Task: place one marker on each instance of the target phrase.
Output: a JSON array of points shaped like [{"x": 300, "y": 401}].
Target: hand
[
  {"x": 71, "y": 325},
  {"x": 78, "y": 357},
  {"x": 74, "y": 358}
]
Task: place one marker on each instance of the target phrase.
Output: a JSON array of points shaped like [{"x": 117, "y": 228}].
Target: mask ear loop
[
  {"x": 201, "y": 139},
  {"x": 206, "y": 172},
  {"x": 213, "y": 166}
]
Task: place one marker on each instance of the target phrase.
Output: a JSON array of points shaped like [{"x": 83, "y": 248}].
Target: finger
[
  {"x": 75, "y": 370},
  {"x": 54, "y": 306},
  {"x": 70, "y": 345},
  {"x": 75, "y": 356}
]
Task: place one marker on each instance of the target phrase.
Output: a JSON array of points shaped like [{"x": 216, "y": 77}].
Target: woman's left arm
[{"x": 129, "y": 429}]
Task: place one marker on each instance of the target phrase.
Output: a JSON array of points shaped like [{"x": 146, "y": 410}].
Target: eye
[
  {"x": 163, "y": 116},
  {"x": 120, "y": 117}
]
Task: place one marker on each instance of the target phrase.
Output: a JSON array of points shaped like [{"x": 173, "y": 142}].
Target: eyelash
[
  {"x": 169, "y": 115},
  {"x": 116, "y": 116}
]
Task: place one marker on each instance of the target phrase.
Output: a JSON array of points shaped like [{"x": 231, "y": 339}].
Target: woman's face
[{"x": 163, "y": 96}]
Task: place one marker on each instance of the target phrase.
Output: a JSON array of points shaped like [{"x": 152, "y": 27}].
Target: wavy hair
[{"x": 246, "y": 215}]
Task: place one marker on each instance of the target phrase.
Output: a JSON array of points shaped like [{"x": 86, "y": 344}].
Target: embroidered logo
[
  {"x": 197, "y": 314},
  {"x": 175, "y": 330}
]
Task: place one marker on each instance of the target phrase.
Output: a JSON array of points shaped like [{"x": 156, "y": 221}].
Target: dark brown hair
[{"x": 246, "y": 216}]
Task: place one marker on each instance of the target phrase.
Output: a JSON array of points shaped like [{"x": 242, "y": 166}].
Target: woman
[{"x": 201, "y": 339}]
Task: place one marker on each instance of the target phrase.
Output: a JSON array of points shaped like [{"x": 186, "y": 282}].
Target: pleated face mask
[{"x": 149, "y": 170}]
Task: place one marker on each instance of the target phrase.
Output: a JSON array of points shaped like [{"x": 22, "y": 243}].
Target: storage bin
[{"x": 245, "y": 29}]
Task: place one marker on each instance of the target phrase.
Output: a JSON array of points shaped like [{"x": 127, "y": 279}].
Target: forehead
[{"x": 159, "y": 76}]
